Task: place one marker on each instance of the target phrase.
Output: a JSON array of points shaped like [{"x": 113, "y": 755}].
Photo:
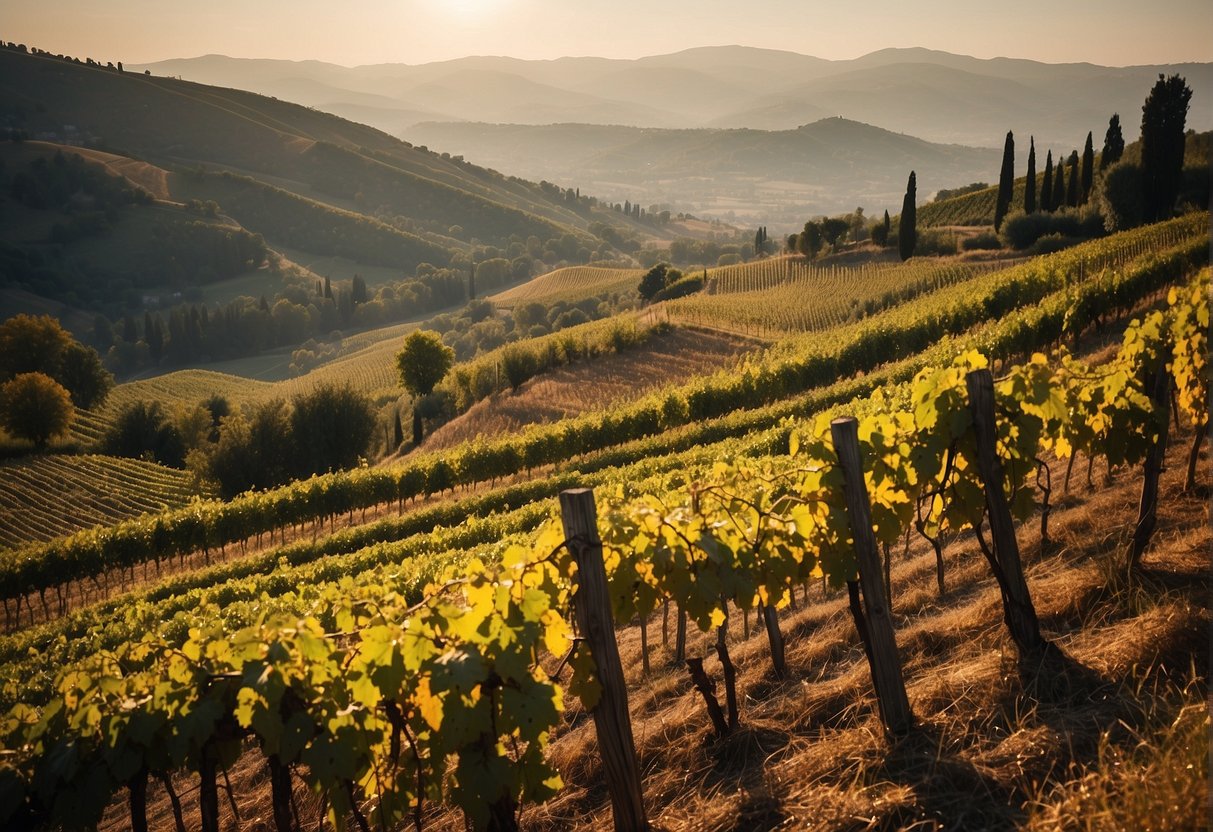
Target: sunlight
[{"x": 470, "y": 9}]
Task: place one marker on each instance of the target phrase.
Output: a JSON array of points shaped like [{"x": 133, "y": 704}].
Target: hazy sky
[{"x": 352, "y": 32}]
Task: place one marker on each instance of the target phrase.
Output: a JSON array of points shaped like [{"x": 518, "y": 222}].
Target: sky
[{"x": 355, "y": 32}]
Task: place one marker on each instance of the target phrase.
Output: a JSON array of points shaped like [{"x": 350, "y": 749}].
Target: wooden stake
[
  {"x": 1018, "y": 611},
  {"x": 592, "y": 605},
  {"x": 884, "y": 662}
]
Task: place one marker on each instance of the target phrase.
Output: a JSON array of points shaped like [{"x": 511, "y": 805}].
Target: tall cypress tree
[
  {"x": 1113, "y": 144},
  {"x": 1088, "y": 169},
  {"x": 1046, "y": 184},
  {"x": 1059, "y": 185},
  {"x": 907, "y": 234},
  {"x": 1162, "y": 146},
  {"x": 1072, "y": 186},
  {"x": 1029, "y": 187},
  {"x": 1006, "y": 181}
]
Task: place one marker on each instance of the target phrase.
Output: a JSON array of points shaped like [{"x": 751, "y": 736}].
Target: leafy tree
[
  {"x": 253, "y": 452},
  {"x": 810, "y": 239},
  {"x": 31, "y": 344},
  {"x": 422, "y": 363},
  {"x": 1088, "y": 169},
  {"x": 331, "y": 427},
  {"x": 1162, "y": 145},
  {"x": 142, "y": 430},
  {"x": 654, "y": 281},
  {"x": 34, "y": 406},
  {"x": 1113, "y": 144},
  {"x": 81, "y": 372},
  {"x": 39, "y": 344},
  {"x": 1029, "y": 190},
  {"x": 832, "y": 229},
  {"x": 907, "y": 234},
  {"x": 1120, "y": 196},
  {"x": 1006, "y": 181},
  {"x": 1046, "y": 185}
]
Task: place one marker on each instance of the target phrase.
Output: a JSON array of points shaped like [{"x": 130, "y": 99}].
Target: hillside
[
  {"x": 781, "y": 177},
  {"x": 302, "y": 179},
  {"x": 305, "y": 615},
  {"x": 939, "y": 96}
]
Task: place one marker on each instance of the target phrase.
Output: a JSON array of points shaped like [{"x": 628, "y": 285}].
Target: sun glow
[{"x": 470, "y": 9}]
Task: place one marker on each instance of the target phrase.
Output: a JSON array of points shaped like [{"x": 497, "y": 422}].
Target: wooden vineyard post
[
  {"x": 1147, "y": 511},
  {"x": 592, "y": 605},
  {"x": 1018, "y": 611},
  {"x": 881, "y": 644}
]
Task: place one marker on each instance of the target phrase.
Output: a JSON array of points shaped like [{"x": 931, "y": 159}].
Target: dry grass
[
  {"x": 1110, "y": 734},
  {"x": 596, "y": 384}
]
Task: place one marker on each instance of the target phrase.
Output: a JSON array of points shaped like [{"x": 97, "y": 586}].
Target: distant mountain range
[
  {"x": 936, "y": 96},
  {"x": 780, "y": 178}
]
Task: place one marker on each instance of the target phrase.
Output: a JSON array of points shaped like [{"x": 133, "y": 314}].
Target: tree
[
  {"x": 1072, "y": 192},
  {"x": 31, "y": 344},
  {"x": 1029, "y": 189},
  {"x": 1088, "y": 170},
  {"x": 331, "y": 427},
  {"x": 142, "y": 430},
  {"x": 810, "y": 239},
  {"x": 1113, "y": 144},
  {"x": 81, "y": 372},
  {"x": 39, "y": 344},
  {"x": 1006, "y": 181},
  {"x": 397, "y": 430},
  {"x": 1046, "y": 185},
  {"x": 422, "y": 363},
  {"x": 654, "y": 281},
  {"x": 832, "y": 229},
  {"x": 34, "y": 406},
  {"x": 472, "y": 281},
  {"x": 907, "y": 234},
  {"x": 880, "y": 231},
  {"x": 1162, "y": 146},
  {"x": 1059, "y": 185}
]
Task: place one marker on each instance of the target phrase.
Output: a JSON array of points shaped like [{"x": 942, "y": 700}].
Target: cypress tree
[
  {"x": 328, "y": 289},
  {"x": 1088, "y": 169},
  {"x": 907, "y": 235},
  {"x": 1113, "y": 144},
  {"x": 1006, "y": 181},
  {"x": 1059, "y": 185},
  {"x": 1072, "y": 193},
  {"x": 1162, "y": 146},
  {"x": 1046, "y": 185},
  {"x": 397, "y": 432},
  {"x": 1029, "y": 188}
]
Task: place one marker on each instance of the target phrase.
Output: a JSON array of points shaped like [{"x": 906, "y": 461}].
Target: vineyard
[
  {"x": 394, "y": 688},
  {"x": 455, "y": 661},
  {"x": 1012, "y": 312},
  {"x": 53, "y": 496},
  {"x": 570, "y": 284},
  {"x": 976, "y": 208},
  {"x": 787, "y": 295}
]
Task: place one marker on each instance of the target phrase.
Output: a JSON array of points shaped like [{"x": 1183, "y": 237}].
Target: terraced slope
[{"x": 45, "y": 497}]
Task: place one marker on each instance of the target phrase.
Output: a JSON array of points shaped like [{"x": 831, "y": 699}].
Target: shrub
[{"x": 984, "y": 241}]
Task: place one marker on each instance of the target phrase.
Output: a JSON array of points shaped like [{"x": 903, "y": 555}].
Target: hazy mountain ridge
[
  {"x": 781, "y": 177},
  {"x": 734, "y": 86}
]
